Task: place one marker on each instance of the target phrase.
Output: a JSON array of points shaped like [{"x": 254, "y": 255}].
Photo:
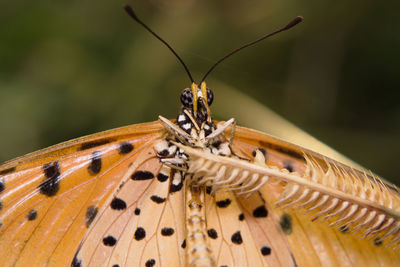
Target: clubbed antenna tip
[
  {"x": 294, "y": 22},
  {"x": 130, "y": 11}
]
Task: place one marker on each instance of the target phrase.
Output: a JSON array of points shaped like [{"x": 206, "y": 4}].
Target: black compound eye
[
  {"x": 210, "y": 97},
  {"x": 187, "y": 98}
]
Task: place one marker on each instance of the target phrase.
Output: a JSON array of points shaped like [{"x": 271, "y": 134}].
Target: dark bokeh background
[{"x": 71, "y": 68}]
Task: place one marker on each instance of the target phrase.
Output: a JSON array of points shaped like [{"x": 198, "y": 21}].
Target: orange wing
[
  {"x": 48, "y": 199},
  {"x": 230, "y": 235},
  {"x": 143, "y": 225},
  {"x": 288, "y": 237}
]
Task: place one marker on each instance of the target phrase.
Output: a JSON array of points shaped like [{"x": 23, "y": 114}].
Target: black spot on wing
[
  {"x": 109, "y": 241},
  {"x": 166, "y": 231},
  {"x": 241, "y": 217},
  {"x": 137, "y": 211},
  {"x": 183, "y": 244},
  {"x": 118, "y": 204},
  {"x": 125, "y": 148},
  {"x": 237, "y": 238},
  {"x": 91, "y": 213},
  {"x": 7, "y": 171},
  {"x": 51, "y": 183},
  {"x": 2, "y": 186},
  {"x": 162, "y": 177},
  {"x": 262, "y": 150},
  {"x": 217, "y": 144},
  {"x": 282, "y": 150},
  {"x": 150, "y": 263},
  {"x": 212, "y": 233},
  {"x": 51, "y": 170},
  {"x": 265, "y": 250},
  {"x": 175, "y": 188},
  {"x": 142, "y": 175},
  {"x": 163, "y": 153},
  {"x": 223, "y": 203},
  {"x": 1, "y": 205},
  {"x": 344, "y": 229},
  {"x": 115, "y": 265},
  {"x": 260, "y": 212},
  {"x": 140, "y": 233},
  {"x": 286, "y": 223},
  {"x": 75, "y": 261},
  {"x": 288, "y": 166},
  {"x": 95, "y": 163},
  {"x": 93, "y": 144},
  {"x": 157, "y": 199},
  {"x": 32, "y": 215},
  {"x": 208, "y": 189},
  {"x": 378, "y": 241}
]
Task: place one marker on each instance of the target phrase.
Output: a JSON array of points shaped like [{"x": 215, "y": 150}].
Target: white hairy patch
[
  {"x": 181, "y": 118},
  {"x": 160, "y": 146},
  {"x": 187, "y": 126}
]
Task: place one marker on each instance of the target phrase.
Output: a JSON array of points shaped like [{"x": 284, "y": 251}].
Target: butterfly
[{"x": 193, "y": 192}]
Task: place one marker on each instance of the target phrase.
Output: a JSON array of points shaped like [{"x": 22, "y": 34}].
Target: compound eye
[
  {"x": 210, "y": 97},
  {"x": 187, "y": 98}
]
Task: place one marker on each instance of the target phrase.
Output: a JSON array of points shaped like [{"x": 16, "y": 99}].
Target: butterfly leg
[
  {"x": 221, "y": 128},
  {"x": 175, "y": 130}
]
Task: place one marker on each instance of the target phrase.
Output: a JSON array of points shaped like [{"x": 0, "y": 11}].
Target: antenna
[
  {"x": 132, "y": 14},
  {"x": 291, "y": 24}
]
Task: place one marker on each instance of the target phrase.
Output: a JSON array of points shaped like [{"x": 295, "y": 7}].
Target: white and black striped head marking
[{"x": 195, "y": 113}]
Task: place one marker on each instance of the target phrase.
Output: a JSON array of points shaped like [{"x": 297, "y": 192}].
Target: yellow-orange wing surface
[
  {"x": 288, "y": 236},
  {"x": 49, "y": 199}
]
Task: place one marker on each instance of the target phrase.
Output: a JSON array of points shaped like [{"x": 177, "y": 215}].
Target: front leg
[{"x": 221, "y": 129}]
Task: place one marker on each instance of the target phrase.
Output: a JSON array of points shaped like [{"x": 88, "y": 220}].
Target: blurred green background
[{"x": 71, "y": 68}]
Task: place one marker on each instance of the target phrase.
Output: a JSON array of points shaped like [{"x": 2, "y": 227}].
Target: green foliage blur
[{"x": 71, "y": 68}]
